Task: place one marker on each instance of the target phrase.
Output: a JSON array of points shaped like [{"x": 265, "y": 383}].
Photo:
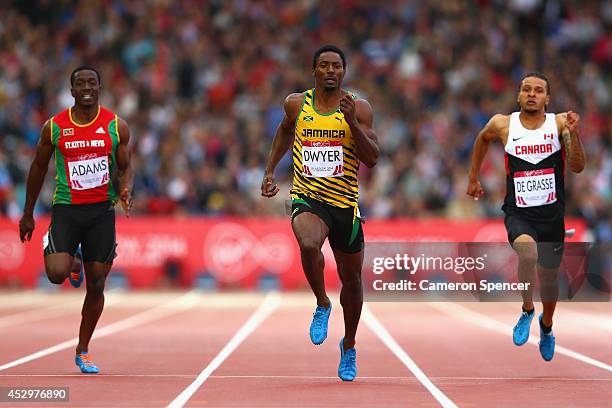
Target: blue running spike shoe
[
  {"x": 347, "y": 369},
  {"x": 76, "y": 277},
  {"x": 85, "y": 364},
  {"x": 547, "y": 343},
  {"x": 318, "y": 327},
  {"x": 520, "y": 334}
]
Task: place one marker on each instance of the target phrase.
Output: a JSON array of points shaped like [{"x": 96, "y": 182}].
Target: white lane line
[
  {"x": 594, "y": 319},
  {"x": 270, "y": 303},
  {"x": 56, "y": 310},
  {"x": 174, "y": 306},
  {"x": 479, "y": 319},
  {"x": 20, "y": 298},
  {"x": 319, "y": 377},
  {"x": 372, "y": 322}
]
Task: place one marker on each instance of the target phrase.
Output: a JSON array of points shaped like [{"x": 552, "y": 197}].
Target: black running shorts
[
  {"x": 345, "y": 231},
  {"x": 549, "y": 235},
  {"x": 91, "y": 225}
]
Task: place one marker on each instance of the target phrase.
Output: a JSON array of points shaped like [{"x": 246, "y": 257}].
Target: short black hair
[
  {"x": 84, "y": 68},
  {"x": 328, "y": 48},
  {"x": 540, "y": 75}
]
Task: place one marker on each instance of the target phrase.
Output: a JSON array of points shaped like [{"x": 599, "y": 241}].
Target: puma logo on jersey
[
  {"x": 100, "y": 131},
  {"x": 338, "y": 119}
]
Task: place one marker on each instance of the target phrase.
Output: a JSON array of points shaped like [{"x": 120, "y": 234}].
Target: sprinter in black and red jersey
[
  {"x": 90, "y": 144},
  {"x": 536, "y": 146}
]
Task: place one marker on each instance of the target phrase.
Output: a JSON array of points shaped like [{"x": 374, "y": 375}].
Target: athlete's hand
[
  {"x": 475, "y": 189},
  {"x": 571, "y": 121},
  {"x": 126, "y": 201},
  {"x": 347, "y": 107},
  {"x": 268, "y": 187},
  {"x": 26, "y": 227}
]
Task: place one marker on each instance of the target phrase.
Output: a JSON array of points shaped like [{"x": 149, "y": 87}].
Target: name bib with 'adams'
[
  {"x": 88, "y": 172},
  {"x": 322, "y": 159},
  {"x": 534, "y": 188}
]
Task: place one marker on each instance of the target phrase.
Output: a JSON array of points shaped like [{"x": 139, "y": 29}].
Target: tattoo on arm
[{"x": 567, "y": 140}]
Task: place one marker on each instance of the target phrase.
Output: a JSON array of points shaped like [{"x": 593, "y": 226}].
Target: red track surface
[{"x": 149, "y": 363}]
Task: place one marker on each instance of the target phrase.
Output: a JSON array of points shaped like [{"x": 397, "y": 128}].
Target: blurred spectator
[{"x": 201, "y": 84}]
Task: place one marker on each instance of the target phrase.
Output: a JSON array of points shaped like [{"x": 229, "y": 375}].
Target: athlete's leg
[
  {"x": 351, "y": 296},
  {"x": 58, "y": 266},
  {"x": 550, "y": 254},
  {"x": 95, "y": 276},
  {"x": 77, "y": 274},
  {"x": 60, "y": 243},
  {"x": 98, "y": 249},
  {"x": 526, "y": 248},
  {"x": 549, "y": 292},
  {"x": 310, "y": 231}
]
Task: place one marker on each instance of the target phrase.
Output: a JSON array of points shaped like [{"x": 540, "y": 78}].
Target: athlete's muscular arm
[
  {"x": 283, "y": 139},
  {"x": 36, "y": 178},
  {"x": 124, "y": 167},
  {"x": 492, "y": 130},
  {"x": 576, "y": 157},
  {"x": 359, "y": 116}
]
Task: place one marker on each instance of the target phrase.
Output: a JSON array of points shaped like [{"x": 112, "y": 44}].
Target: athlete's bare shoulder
[
  {"x": 295, "y": 97},
  {"x": 364, "y": 112},
  {"x": 45, "y": 133},
  {"x": 496, "y": 128},
  {"x": 47, "y": 125},
  {"x": 124, "y": 131},
  {"x": 500, "y": 121},
  {"x": 363, "y": 104},
  {"x": 293, "y": 104}
]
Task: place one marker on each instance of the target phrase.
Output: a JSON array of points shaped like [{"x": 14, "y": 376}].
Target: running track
[{"x": 197, "y": 349}]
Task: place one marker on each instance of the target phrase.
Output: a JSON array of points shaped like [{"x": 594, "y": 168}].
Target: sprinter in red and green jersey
[{"x": 90, "y": 144}]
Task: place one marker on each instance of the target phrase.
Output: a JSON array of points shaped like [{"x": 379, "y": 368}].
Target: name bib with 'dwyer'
[{"x": 322, "y": 159}]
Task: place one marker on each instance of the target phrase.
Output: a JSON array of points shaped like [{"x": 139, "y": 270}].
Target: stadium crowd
[{"x": 201, "y": 85}]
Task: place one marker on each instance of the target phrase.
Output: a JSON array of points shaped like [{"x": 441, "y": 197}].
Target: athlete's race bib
[
  {"x": 322, "y": 159},
  {"x": 88, "y": 173},
  {"x": 534, "y": 188}
]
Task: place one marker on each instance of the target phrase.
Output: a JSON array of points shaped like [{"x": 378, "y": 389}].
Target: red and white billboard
[{"x": 236, "y": 252}]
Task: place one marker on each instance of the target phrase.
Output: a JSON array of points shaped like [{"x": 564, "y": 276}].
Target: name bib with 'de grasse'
[
  {"x": 87, "y": 172},
  {"x": 322, "y": 159},
  {"x": 534, "y": 188}
]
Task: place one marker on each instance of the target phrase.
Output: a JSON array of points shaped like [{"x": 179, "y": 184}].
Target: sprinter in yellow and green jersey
[{"x": 330, "y": 132}]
